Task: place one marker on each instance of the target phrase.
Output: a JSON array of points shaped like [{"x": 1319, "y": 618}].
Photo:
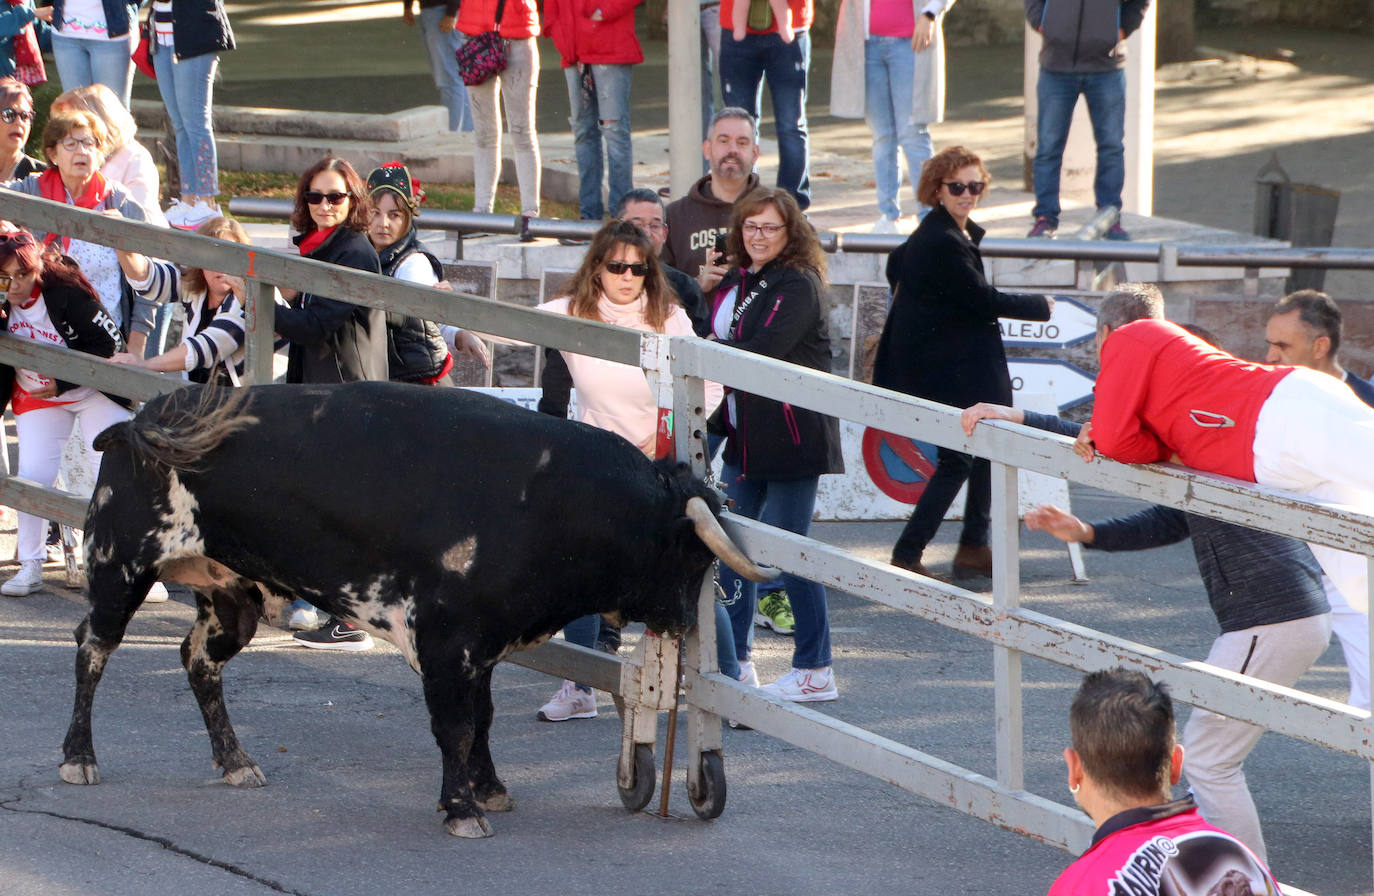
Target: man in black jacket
[
  {"x": 1083, "y": 54},
  {"x": 1266, "y": 592}
]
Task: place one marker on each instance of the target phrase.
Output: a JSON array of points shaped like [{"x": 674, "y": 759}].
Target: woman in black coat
[
  {"x": 941, "y": 342},
  {"x": 333, "y": 341}
]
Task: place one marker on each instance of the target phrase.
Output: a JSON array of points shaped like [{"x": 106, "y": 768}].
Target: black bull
[{"x": 457, "y": 526}]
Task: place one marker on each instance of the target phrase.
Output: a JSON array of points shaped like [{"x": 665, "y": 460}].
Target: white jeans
[
  {"x": 1351, "y": 628},
  {"x": 1215, "y": 747},
  {"x": 42, "y": 434},
  {"x": 518, "y": 84}
]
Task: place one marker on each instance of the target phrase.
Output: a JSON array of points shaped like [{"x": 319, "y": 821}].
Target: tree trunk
[{"x": 1176, "y": 39}]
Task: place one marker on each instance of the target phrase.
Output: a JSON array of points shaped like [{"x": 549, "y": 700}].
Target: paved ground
[{"x": 344, "y": 739}]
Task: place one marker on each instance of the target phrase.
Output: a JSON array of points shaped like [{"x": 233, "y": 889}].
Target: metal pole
[
  {"x": 1006, "y": 594},
  {"x": 1138, "y": 195},
  {"x": 684, "y": 94},
  {"x": 257, "y": 348}
]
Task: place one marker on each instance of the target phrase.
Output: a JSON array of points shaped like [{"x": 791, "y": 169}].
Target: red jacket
[
  {"x": 519, "y": 19},
  {"x": 1163, "y": 849},
  {"x": 802, "y": 14},
  {"x": 1163, "y": 391},
  {"x": 580, "y": 39}
]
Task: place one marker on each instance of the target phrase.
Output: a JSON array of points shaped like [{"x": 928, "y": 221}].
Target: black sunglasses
[
  {"x": 975, "y": 187},
  {"x": 315, "y": 197},
  {"x": 638, "y": 268},
  {"x": 9, "y": 115}
]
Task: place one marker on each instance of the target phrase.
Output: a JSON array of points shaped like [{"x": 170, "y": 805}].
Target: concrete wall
[{"x": 1341, "y": 14}]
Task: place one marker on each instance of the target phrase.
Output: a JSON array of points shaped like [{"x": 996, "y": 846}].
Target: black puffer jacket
[
  {"x": 333, "y": 341},
  {"x": 415, "y": 348}
]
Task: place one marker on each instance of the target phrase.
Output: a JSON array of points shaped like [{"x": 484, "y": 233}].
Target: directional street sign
[
  {"x": 1068, "y": 383},
  {"x": 1070, "y": 323}
]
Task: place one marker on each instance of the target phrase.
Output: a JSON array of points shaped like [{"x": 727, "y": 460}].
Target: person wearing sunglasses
[
  {"x": 75, "y": 142},
  {"x": 620, "y": 282},
  {"x": 48, "y": 300},
  {"x": 16, "y": 119},
  {"x": 331, "y": 341},
  {"x": 941, "y": 342},
  {"x": 775, "y": 453}
]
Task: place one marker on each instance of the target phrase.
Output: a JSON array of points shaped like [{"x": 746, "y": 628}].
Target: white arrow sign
[
  {"x": 1070, "y": 323},
  {"x": 1068, "y": 383}
]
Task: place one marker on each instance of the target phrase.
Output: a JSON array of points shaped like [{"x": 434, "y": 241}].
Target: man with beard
[{"x": 695, "y": 220}]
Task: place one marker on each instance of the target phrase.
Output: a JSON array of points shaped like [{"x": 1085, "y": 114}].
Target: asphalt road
[{"x": 353, "y": 770}]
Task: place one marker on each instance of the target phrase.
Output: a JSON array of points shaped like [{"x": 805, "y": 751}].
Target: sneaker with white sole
[
  {"x": 335, "y": 635},
  {"x": 805, "y": 686},
  {"x": 569, "y": 703},
  {"x": 748, "y": 674},
  {"x": 176, "y": 214},
  {"x": 156, "y": 594},
  {"x": 304, "y": 619},
  {"x": 775, "y": 612},
  {"x": 28, "y": 580},
  {"x": 198, "y": 214},
  {"x": 884, "y": 224}
]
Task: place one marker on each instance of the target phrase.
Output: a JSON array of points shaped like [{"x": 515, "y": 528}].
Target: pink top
[
  {"x": 891, "y": 18},
  {"x": 617, "y": 397}
]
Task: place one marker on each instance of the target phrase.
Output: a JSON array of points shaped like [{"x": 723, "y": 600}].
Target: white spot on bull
[
  {"x": 177, "y": 535},
  {"x": 393, "y": 621},
  {"x": 461, "y": 556},
  {"x": 101, "y": 497},
  {"x": 544, "y": 459}
]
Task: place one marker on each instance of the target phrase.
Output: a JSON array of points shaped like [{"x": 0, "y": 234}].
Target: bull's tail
[{"x": 176, "y": 432}]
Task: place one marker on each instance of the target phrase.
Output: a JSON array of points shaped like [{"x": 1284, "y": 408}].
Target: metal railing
[{"x": 677, "y": 367}]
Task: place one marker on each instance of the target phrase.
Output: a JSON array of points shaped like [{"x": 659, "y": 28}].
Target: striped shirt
[
  {"x": 210, "y": 335},
  {"x": 162, "y": 21}
]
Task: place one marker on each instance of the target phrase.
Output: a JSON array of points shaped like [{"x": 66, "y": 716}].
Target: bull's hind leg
[
  {"x": 225, "y": 623},
  {"x": 113, "y": 602},
  {"x": 487, "y": 788},
  {"x": 451, "y": 700}
]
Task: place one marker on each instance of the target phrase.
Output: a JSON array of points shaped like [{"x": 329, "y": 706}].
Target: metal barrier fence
[{"x": 676, "y": 367}]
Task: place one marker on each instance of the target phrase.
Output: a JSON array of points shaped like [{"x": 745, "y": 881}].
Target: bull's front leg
[
  {"x": 78, "y": 751},
  {"x": 451, "y": 700},
  {"x": 487, "y": 788},
  {"x": 225, "y": 623}
]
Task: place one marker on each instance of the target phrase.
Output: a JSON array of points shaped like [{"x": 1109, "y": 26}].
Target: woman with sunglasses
[
  {"x": 48, "y": 300},
  {"x": 775, "y": 453},
  {"x": 16, "y": 119},
  {"x": 941, "y": 342},
  {"x": 331, "y": 341},
  {"x": 620, "y": 282},
  {"x": 75, "y": 143}
]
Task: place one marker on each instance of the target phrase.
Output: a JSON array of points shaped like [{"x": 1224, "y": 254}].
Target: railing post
[
  {"x": 1006, "y": 594},
  {"x": 258, "y": 317}
]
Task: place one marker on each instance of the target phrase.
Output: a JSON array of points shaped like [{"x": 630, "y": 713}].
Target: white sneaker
[
  {"x": 884, "y": 224},
  {"x": 805, "y": 686},
  {"x": 28, "y": 580},
  {"x": 568, "y": 703},
  {"x": 304, "y": 619},
  {"x": 197, "y": 215},
  {"x": 176, "y": 214},
  {"x": 748, "y": 674}
]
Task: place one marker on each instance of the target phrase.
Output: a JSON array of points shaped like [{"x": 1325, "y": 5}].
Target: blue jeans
[
  {"x": 601, "y": 118},
  {"x": 441, "y": 47},
  {"x": 889, "y": 72},
  {"x": 1056, "y": 93},
  {"x": 81, "y": 63},
  {"x": 743, "y": 66},
  {"x": 786, "y": 504},
  {"x": 187, "y": 87}
]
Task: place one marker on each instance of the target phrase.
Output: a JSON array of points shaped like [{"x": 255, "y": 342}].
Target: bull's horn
[{"x": 712, "y": 534}]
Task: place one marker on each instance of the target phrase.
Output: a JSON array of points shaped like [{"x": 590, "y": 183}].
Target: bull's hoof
[
  {"x": 498, "y": 802},
  {"x": 247, "y": 776},
  {"x": 79, "y": 773},
  {"x": 471, "y": 828}
]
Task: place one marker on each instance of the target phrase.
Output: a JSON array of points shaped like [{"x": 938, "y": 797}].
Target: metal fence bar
[{"x": 1284, "y": 710}]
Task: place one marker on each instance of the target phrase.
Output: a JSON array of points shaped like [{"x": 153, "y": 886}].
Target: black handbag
[{"x": 483, "y": 56}]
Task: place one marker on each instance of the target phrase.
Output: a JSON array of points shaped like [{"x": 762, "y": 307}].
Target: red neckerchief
[
  {"x": 312, "y": 241},
  {"x": 50, "y": 185},
  {"x": 33, "y": 296}
]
